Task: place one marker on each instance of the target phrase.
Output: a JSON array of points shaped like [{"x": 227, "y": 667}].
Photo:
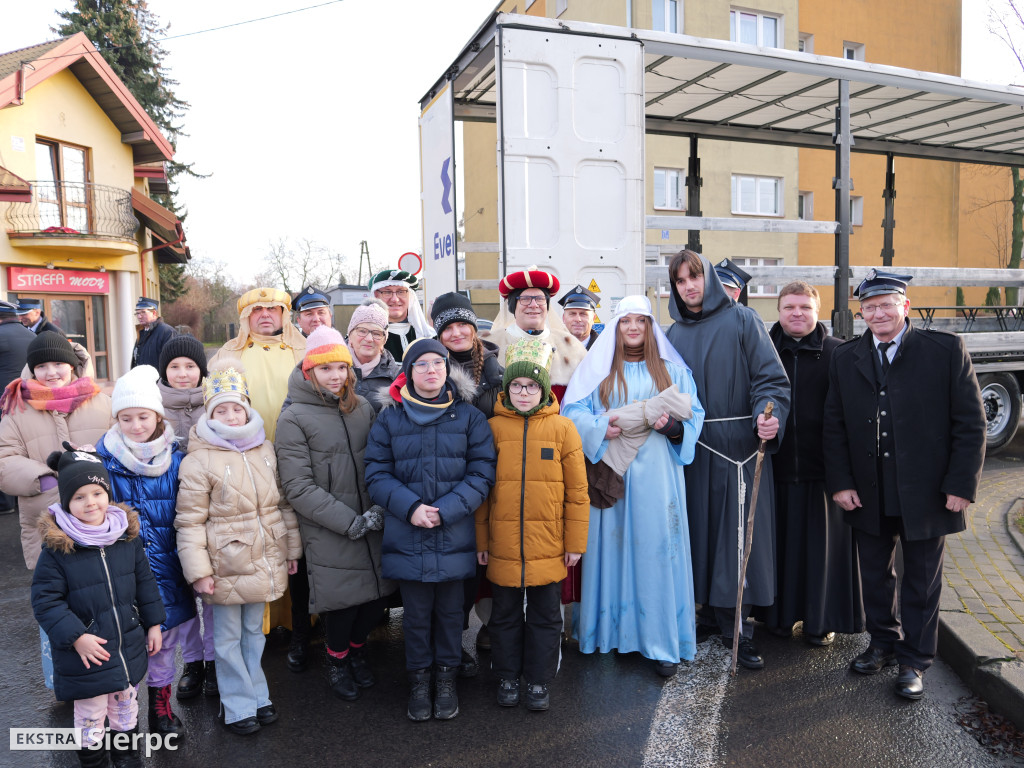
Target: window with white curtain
[
  {"x": 755, "y": 28},
  {"x": 757, "y": 195},
  {"x": 668, "y": 188},
  {"x": 666, "y": 15}
]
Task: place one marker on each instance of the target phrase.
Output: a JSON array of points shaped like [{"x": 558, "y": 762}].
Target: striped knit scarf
[{"x": 43, "y": 398}]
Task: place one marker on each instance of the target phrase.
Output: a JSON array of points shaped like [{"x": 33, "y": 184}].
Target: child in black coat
[{"x": 95, "y": 596}]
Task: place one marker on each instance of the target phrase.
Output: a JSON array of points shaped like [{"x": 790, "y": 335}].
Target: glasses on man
[
  {"x": 362, "y": 333},
  {"x": 526, "y": 301},
  {"x": 429, "y": 365},
  {"x": 400, "y": 293},
  {"x": 531, "y": 389},
  {"x": 886, "y": 307}
]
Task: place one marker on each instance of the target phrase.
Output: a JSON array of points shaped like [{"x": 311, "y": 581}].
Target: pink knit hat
[{"x": 372, "y": 311}]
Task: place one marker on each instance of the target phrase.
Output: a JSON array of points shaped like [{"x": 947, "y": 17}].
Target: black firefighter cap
[{"x": 878, "y": 283}]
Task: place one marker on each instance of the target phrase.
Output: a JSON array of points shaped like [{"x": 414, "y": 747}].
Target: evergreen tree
[{"x": 125, "y": 33}]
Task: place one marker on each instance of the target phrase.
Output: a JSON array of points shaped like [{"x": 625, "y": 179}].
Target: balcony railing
[{"x": 69, "y": 209}]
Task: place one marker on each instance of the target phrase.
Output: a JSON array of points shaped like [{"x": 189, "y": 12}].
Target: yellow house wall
[
  {"x": 984, "y": 229},
  {"x": 61, "y": 109},
  {"x": 918, "y": 35}
]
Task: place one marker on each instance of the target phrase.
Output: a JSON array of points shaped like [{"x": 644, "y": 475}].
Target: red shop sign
[{"x": 25, "y": 279}]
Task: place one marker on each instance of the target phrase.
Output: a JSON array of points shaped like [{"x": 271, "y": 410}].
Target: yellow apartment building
[
  {"x": 79, "y": 158},
  {"x": 941, "y": 219}
]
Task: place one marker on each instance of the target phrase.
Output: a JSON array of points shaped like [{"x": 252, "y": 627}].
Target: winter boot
[
  {"x": 191, "y": 683},
  {"x": 210, "y": 680},
  {"x": 361, "y": 667},
  {"x": 93, "y": 758},
  {"x": 446, "y": 700},
  {"x": 161, "y": 718},
  {"x": 339, "y": 676},
  {"x": 537, "y": 698},
  {"x": 419, "y": 695},
  {"x": 124, "y": 749},
  {"x": 298, "y": 649}
]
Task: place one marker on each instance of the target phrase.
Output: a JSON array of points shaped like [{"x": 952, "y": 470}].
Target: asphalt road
[{"x": 804, "y": 709}]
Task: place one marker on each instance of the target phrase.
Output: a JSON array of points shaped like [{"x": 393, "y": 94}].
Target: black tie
[{"x": 884, "y": 349}]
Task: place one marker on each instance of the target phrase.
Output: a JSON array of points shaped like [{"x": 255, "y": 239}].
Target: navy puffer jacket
[
  {"x": 447, "y": 463},
  {"x": 105, "y": 591},
  {"x": 154, "y": 498}
]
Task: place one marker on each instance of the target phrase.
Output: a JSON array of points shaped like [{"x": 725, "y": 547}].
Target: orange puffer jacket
[{"x": 538, "y": 509}]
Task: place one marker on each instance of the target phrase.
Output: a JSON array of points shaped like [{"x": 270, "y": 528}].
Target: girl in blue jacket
[
  {"x": 95, "y": 596},
  {"x": 141, "y": 453},
  {"x": 430, "y": 463}
]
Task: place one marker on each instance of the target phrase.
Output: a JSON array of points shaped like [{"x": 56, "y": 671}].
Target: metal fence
[{"x": 71, "y": 208}]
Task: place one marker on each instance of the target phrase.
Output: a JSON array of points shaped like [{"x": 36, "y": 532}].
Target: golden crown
[
  {"x": 534, "y": 351},
  {"x": 228, "y": 380}
]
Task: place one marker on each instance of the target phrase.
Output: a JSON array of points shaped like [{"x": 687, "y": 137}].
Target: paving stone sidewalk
[{"x": 981, "y": 629}]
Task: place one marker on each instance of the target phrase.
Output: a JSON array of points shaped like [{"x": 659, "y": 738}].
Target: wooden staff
[{"x": 745, "y": 554}]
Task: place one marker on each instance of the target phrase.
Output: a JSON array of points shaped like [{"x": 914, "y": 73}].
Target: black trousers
[
  {"x": 432, "y": 623},
  {"x": 298, "y": 589},
  {"x": 725, "y": 619},
  {"x": 353, "y": 624},
  {"x": 527, "y": 644},
  {"x": 908, "y": 624}
]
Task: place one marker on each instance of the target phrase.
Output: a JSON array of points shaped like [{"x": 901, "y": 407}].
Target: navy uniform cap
[
  {"x": 145, "y": 303},
  {"x": 26, "y": 304},
  {"x": 9, "y": 308},
  {"x": 579, "y": 297},
  {"x": 310, "y": 298},
  {"x": 731, "y": 275},
  {"x": 879, "y": 283}
]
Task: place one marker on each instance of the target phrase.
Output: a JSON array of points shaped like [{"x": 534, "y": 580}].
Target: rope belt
[{"x": 741, "y": 486}]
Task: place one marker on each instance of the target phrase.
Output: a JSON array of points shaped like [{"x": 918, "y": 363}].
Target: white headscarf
[
  {"x": 424, "y": 329},
  {"x": 597, "y": 365}
]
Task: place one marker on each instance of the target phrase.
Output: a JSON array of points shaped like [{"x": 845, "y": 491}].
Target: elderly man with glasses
[
  {"x": 904, "y": 440},
  {"x": 153, "y": 333},
  {"x": 406, "y": 321}
]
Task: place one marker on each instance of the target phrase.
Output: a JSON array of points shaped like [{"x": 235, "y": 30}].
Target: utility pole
[{"x": 364, "y": 253}]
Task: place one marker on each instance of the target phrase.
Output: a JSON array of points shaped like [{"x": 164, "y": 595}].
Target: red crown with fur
[{"x": 527, "y": 278}]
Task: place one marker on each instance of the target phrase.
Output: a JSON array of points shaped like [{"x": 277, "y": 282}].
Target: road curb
[
  {"x": 985, "y": 665},
  {"x": 1013, "y": 514}
]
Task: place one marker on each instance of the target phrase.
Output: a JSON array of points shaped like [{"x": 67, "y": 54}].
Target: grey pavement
[{"x": 981, "y": 622}]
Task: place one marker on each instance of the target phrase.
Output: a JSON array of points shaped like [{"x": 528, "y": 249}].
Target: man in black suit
[
  {"x": 33, "y": 318},
  {"x": 904, "y": 446},
  {"x": 14, "y": 341}
]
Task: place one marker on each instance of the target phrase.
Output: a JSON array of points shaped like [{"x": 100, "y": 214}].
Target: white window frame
[
  {"x": 806, "y": 43},
  {"x": 805, "y": 206},
  {"x": 759, "y": 182},
  {"x": 680, "y": 193},
  {"x": 755, "y": 291},
  {"x": 856, "y": 211},
  {"x": 736, "y": 13},
  {"x": 853, "y": 51},
  {"x": 669, "y": 8}
]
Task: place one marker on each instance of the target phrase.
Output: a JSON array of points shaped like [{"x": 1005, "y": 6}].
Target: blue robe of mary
[{"x": 637, "y": 577}]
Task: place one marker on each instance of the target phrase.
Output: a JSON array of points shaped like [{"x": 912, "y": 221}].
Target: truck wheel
[{"x": 1000, "y": 394}]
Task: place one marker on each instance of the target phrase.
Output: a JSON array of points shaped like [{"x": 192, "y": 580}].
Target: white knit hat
[{"x": 137, "y": 389}]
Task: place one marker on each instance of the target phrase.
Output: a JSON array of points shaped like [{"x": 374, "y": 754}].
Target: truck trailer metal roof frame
[{"x": 724, "y": 90}]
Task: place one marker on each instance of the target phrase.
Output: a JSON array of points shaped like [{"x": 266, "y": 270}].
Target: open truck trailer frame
[{"x": 573, "y": 101}]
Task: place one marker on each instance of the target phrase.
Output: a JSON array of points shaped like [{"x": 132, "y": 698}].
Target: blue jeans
[
  {"x": 238, "y": 645},
  {"x": 44, "y": 650}
]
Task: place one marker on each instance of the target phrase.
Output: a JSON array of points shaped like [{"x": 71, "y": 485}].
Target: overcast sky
[{"x": 308, "y": 122}]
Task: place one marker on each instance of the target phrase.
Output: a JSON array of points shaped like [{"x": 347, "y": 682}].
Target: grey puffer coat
[{"x": 320, "y": 458}]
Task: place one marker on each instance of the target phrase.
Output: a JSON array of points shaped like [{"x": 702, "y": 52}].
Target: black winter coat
[
  {"x": 14, "y": 341},
  {"x": 151, "y": 341},
  {"x": 109, "y": 592},
  {"x": 800, "y": 457},
  {"x": 938, "y": 430},
  {"x": 449, "y": 464}
]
